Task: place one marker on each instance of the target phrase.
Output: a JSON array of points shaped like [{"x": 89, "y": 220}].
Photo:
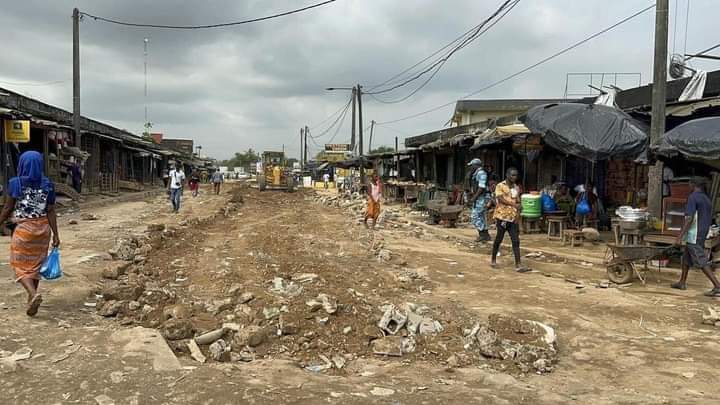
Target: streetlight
[
  {"x": 357, "y": 91},
  {"x": 199, "y": 148}
]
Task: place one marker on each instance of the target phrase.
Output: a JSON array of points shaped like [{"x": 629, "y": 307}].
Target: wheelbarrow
[
  {"x": 439, "y": 210},
  {"x": 624, "y": 262}
]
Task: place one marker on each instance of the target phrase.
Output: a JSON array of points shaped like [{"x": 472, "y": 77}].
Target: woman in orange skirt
[
  {"x": 374, "y": 196},
  {"x": 31, "y": 200}
]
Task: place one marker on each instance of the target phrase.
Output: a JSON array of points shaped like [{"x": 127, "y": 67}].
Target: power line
[
  {"x": 437, "y": 65},
  {"x": 195, "y": 27},
  {"x": 337, "y": 131},
  {"x": 327, "y": 130},
  {"x": 329, "y": 117},
  {"x": 35, "y": 84},
  {"x": 528, "y": 68}
]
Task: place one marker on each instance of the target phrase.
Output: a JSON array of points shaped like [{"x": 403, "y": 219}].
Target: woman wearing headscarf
[{"x": 31, "y": 200}]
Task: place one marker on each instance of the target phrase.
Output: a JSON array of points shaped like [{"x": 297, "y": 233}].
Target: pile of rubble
[
  {"x": 400, "y": 326},
  {"x": 530, "y": 345},
  {"x": 356, "y": 204}
]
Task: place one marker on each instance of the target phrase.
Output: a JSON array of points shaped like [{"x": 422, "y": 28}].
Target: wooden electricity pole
[
  {"x": 659, "y": 91},
  {"x": 76, "y": 77}
]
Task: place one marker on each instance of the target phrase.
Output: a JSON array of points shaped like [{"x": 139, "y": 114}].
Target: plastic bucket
[{"x": 531, "y": 205}]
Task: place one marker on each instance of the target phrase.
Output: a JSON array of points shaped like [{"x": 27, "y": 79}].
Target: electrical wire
[
  {"x": 451, "y": 43},
  {"x": 437, "y": 70},
  {"x": 36, "y": 84},
  {"x": 327, "y": 130},
  {"x": 329, "y": 117},
  {"x": 337, "y": 131},
  {"x": 528, "y": 68},
  {"x": 195, "y": 27},
  {"x": 505, "y": 7}
]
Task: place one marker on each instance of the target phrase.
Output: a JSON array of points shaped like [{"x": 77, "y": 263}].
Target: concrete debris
[
  {"x": 177, "y": 329},
  {"x": 304, "y": 277},
  {"x": 339, "y": 361},
  {"x": 89, "y": 217},
  {"x": 147, "y": 343},
  {"x": 104, "y": 400},
  {"x": 394, "y": 346},
  {"x": 271, "y": 312},
  {"x": 111, "y": 308},
  {"x": 124, "y": 249},
  {"x": 384, "y": 255},
  {"x": 347, "y": 330},
  {"x": 219, "y": 350},
  {"x": 195, "y": 351},
  {"x": 382, "y": 392},
  {"x": 210, "y": 337},
  {"x": 177, "y": 311},
  {"x": 392, "y": 320},
  {"x": 324, "y": 301},
  {"x": 113, "y": 271},
  {"x": 285, "y": 289},
  {"x": 528, "y": 344},
  {"x": 711, "y": 316},
  {"x": 246, "y": 297}
]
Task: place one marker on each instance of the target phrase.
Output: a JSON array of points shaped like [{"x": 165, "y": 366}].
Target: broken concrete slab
[
  {"x": 210, "y": 337},
  {"x": 147, "y": 343},
  {"x": 195, "y": 351},
  {"x": 388, "y": 346},
  {"x": 392, "y": 320}
]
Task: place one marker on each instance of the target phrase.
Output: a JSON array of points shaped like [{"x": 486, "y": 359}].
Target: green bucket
[{"x": 531, "y": 206}]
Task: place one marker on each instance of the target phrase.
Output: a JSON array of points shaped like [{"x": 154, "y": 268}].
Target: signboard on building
[
  {"x": 337, "y": 147},
  {"x": 17, "y": 131}
]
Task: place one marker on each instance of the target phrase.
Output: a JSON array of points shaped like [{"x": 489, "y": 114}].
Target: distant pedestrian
[
  {"x": 31, "y": 200},
  {"x": 326, "y": 180},
  {"x": 217, "y": 180},
  {"x": 194, "y": 183},
  {"x": 478, "y": 199},
  {"x": 374, "y": 195},
  {"x": 507, "y": 213},
  {"x": 177, "y": 181},
  {"x": 166, "y": 177},
  {"x": 698, "y": 217},
  {"x": 76, "y": 176}
]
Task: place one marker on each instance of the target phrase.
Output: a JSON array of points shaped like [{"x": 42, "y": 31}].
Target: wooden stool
[
  {"x": 556, "y": 227},
  {"x": 530, "y": 225},
  {"x": 572, "y": 236}
]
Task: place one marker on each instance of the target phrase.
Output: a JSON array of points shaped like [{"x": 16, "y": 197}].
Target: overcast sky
[{"x": 254, "y": 86}]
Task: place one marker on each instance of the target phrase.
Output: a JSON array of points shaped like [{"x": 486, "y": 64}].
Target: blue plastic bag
[
  {"x": 50, "y": 269},
  {"x": 583, "y": 207},
  {"x": 548, "y": 204}
]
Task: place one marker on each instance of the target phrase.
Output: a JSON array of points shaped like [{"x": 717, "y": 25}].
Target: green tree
[
  {"x": 382, "y": 149},
  {"x": 242, "y": 159}
]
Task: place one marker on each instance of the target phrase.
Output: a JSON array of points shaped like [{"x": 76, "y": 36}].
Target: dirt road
[{"x": 641, "y": 344}]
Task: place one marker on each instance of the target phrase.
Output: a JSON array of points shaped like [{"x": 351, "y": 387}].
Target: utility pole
[
  {"x": 307, "y": 130},
  {"x": 352, "y": 129},
  {"x": 397, "y": 160},
  {"x": 659, "y": 99},
  {"x": 360, "y": 128},
  {"x": 302, "y": 161},
  {"x": 372, "y": 129},
  {"x": 76, "y": 77},
  {"x": 145, "y": 57}
]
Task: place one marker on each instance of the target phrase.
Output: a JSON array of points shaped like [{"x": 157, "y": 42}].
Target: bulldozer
[{"x": 275, "y": 173}]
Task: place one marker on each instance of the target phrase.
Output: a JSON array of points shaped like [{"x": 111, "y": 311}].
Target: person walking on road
[
  {"x": 478, "y": 199},
  {"x": 175, "y": 186},
  {"x": 698, "y": 217},
  {"x": 31, "y": 200},
  {"x": 374, "y": 195},
  {"x": 194, "y": 183},
  {"x": 326, "y": 180},
  {"x": 507, "y": 212},
  {"x": 217, "y": 180}
]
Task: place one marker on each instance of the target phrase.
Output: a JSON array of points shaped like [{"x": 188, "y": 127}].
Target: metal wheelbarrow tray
[
  {"x": 622, "y": 261},
  {"x": 441, "y": 211}
]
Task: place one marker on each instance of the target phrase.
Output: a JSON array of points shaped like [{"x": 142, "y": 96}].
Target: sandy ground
[{"x": 640, "y": 344}]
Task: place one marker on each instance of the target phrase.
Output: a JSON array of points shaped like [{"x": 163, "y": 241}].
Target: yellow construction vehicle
[{"x": 275, "y": 173}]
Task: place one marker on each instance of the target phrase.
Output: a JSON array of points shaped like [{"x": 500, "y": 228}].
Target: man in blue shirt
[
  {"x": 698, "y": 218},
  {"x": 478, "y": 199}
]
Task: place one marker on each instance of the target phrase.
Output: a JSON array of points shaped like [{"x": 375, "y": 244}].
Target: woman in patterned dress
[{"x": 31, "y": 200}]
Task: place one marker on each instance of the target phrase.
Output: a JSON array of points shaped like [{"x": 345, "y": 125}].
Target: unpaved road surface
[{"x": 640, "y": 344}]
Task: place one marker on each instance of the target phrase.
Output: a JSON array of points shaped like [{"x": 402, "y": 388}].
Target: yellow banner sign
[{"x": 17, "y": 131}]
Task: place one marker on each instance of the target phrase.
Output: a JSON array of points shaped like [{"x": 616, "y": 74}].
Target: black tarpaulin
[
  {"x": 592, "y": 132},
  {"x": 698, "y": 139}
]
